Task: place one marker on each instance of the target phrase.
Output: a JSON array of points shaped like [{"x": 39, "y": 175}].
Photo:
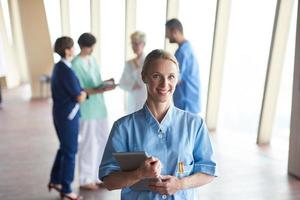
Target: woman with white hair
[{"x": 131, "y": 80}]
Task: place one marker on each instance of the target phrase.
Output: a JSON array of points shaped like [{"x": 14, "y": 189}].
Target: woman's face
[
  {"x": 137, "y": 47},
  {"x": 69, "y": 53},
  {"x": 161, "y": 79},
  {"x": 87, "y": 50}
]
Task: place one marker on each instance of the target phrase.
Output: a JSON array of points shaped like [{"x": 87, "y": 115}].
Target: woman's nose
[{"x": 164, "y": 82}]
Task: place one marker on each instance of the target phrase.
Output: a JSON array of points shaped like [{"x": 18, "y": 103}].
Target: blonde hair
[
  {"x": 156, "y": 55},
  {"x": 138, "y": 36}
]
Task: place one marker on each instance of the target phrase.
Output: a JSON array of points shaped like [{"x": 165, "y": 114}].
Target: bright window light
[
  {"x": 284, "y": 104},
  {"x": 113, "y": 52},
  {"x": 249, "y": 39},
  {"x": 52, "y": 8},
  {"x": 151, "y": 19},
  {"x": 198, "y": 19},
  {"x": 80, "y": 19},
  {"x": 7, "y": 21}
]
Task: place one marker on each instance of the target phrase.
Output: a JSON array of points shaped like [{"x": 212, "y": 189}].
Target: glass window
[
  {"x": 283, "y": 112},
  {"x": 7, "y": 21},
  {"x": 80, "y": 19},
  {"x": 152, "y": 24},
  {"x": 198, "y": 19},
  {"x": 52, "y": 8},
  {"x": 3, "y": 68},
  {"x": 113, "y": 52},
  {"x": 249, "y": 39}
]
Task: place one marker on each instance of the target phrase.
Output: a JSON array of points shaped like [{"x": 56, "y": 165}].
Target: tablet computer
[
  {"x": 107, "y": 83},
  {"x": 129, "y": 161}
]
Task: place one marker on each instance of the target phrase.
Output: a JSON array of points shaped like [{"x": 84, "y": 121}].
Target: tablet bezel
[{"x": 129, "y": 161}]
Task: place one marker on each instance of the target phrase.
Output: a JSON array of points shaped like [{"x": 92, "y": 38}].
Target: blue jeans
[{"x": 64, "y": 165}]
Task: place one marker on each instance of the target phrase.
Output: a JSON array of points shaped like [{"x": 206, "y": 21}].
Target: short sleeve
[
  {"x": 203, "y": 153},
  {"x": 115, "y": 143},
  {"x": 71, "y": 84}
]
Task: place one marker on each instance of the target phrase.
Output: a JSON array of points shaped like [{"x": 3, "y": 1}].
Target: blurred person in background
[
  {"x": 131, "y": 80},
  {"x": 66, "y": 94},
  {"x": 94, "y": 126},
  {"x": 187, "y": 95}
]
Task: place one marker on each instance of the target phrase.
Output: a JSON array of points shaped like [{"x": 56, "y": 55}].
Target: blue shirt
[
  {"x": 187, "y": 93},
  {"x": 65, "y": 88},
  {"x": 180, "y": 137}
]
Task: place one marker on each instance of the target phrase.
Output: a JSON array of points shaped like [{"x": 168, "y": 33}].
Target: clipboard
[{"x": 129, "y": 161}]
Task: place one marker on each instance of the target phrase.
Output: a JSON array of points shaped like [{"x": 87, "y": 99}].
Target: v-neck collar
[{"x": 164, "y": 124}]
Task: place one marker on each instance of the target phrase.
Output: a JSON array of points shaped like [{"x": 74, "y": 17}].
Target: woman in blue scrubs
[
  {"x": 177, "y": 141},
  {"x": 66, "y": 95}
]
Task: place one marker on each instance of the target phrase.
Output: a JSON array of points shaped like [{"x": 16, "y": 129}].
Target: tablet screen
[{"x": 129, "y": 161}]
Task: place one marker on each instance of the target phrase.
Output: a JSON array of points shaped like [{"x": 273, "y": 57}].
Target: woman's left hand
[{"x": 167, "y": 186}]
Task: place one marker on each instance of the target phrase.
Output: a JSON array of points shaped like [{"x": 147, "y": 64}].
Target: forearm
[
  {"x": 195, "y": 180},
  {"x": 92, "y": 91},
  {"x": 118, "y": 180},
  {"x": 82, "y": 97}
]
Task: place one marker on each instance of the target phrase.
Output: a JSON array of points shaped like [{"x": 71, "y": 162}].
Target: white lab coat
[{"x": 132, "y": 75}]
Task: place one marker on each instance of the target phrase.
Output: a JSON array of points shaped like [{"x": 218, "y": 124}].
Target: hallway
[{"x": 28, "y": 144}]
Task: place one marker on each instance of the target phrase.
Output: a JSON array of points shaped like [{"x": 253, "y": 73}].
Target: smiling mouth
[{"x": 163, "y": 92}]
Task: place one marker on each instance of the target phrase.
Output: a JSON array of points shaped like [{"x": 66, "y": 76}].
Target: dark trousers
[{"x": 64, "y": 164}]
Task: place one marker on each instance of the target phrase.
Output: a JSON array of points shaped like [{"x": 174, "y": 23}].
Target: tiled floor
[{"x": 28, "y": 144}]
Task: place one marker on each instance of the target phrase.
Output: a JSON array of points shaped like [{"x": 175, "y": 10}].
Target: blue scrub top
[
  {"x": 180, "y": 137},
  {"x": 65, "y": 88},
  {"x": 187, "y": 95}
]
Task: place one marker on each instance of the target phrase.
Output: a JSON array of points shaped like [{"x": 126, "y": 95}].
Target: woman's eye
[
  {"x": 155, "y": 76},
  {"x": 171, "y": 77}
]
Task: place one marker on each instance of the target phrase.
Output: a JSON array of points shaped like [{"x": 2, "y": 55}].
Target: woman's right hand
[
  {"x": 151, "y": 168},
  {"x": 105, "y": 89},
  {"x": 82, "y": 97}
]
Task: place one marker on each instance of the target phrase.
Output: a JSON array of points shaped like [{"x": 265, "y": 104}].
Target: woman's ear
[
  {"x": 144, "y": 77},
  {"x": 68, "y": 52}
]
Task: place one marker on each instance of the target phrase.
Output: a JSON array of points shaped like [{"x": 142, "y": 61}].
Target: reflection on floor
[{"x": 28, "y": 144}]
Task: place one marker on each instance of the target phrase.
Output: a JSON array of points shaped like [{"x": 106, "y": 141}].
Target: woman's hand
[
  {"x": 105, "y": 88},
  {"x": 167, "y": 186},
  {"x": 108, "y": 85},
  {"x": 151, "y": 168},
  {"x": 82, "y": 97}
]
